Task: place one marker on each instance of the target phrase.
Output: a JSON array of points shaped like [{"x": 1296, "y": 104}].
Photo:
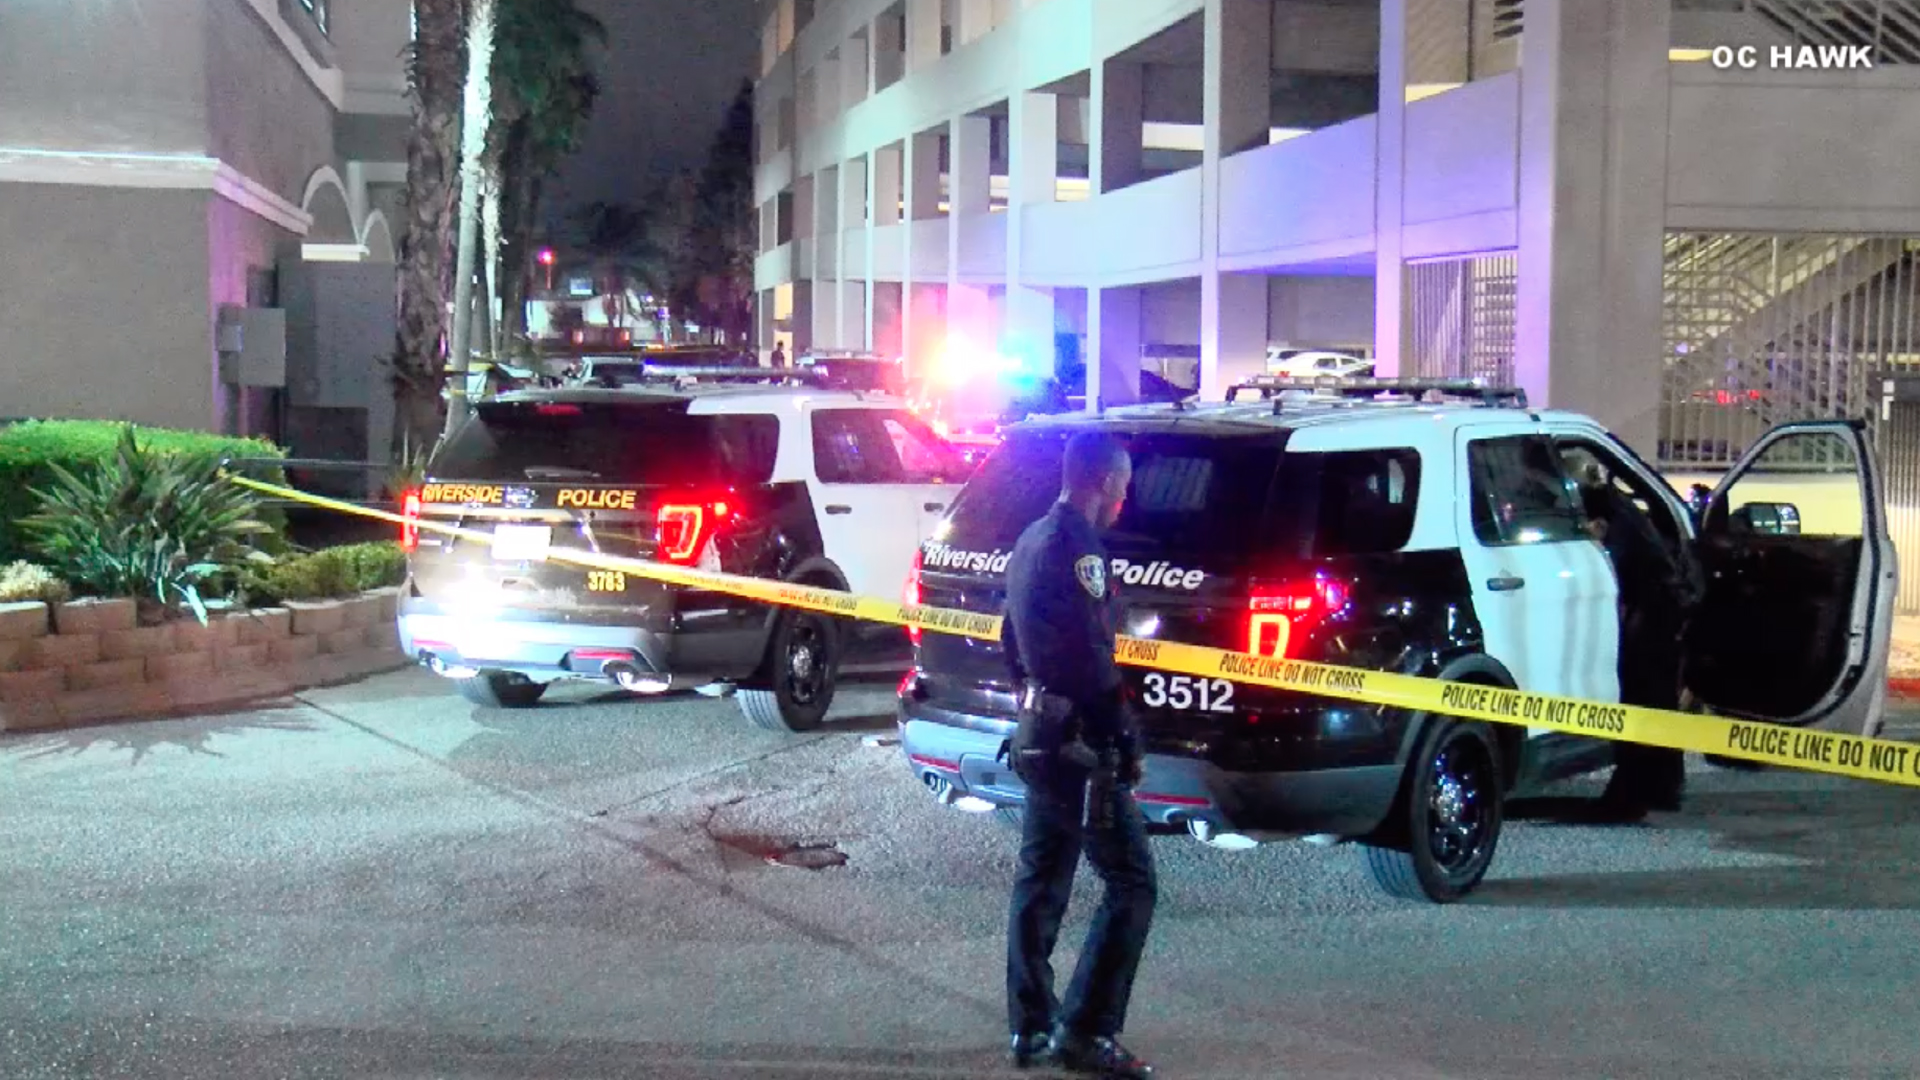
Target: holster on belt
[{"x": 1048, "y": 731}]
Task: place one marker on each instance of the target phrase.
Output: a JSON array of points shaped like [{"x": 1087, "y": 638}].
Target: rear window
[
  {"x": 618, "y": 443},
  {"x": 1348, "y": 502},
  {"x": 1190, "y": 493},
  {"x": 1219, "y": 496}
]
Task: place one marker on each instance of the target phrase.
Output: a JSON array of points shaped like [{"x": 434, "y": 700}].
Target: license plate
[{"x": 520, "y": 543}]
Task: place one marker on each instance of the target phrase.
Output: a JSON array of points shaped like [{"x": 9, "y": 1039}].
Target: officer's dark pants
[
  {"x": 1052, "y": 840},
  {"x": 1649, "y": 676}
]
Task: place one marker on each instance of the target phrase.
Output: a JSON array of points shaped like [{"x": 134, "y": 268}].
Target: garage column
[
  {"x": 969, "y": 196},
  {"x": 1236, "y": 106},
  {"x": 1594, "y": 82},
  {"x": 1033, "y": 143},
  {"x": 1117, "y": 113},
  {"x": 850, "y": 318},
  {"x": 1113, "y": 347},
  {"x": 972, "y": 20},
  {"x": 1392, "y": 338},
  {"x": 923, "y": 34}
]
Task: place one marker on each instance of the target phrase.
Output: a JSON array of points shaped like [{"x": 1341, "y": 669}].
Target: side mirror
[{"x": 1766, "y": 519}]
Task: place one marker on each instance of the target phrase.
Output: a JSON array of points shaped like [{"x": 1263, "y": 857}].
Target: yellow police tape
[{"x": 1816, "y": 751}]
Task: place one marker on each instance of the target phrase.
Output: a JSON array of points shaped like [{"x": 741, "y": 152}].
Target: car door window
[
  {"x": 924, "y": 459},
  {"x": 852, "y": 446},
  {"x": 1583, "y": 458},
  {"x": 1805, "y": 484},
  {"x": 1520, "y": 495}
]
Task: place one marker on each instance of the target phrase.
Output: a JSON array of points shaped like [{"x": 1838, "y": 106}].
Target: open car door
[{"x": 1800, "y": 583}]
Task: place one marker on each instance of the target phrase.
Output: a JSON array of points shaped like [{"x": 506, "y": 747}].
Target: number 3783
[{"x": 1186, "y": 693}]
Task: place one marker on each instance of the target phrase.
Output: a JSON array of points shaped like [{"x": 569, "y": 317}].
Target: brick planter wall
[{"x": 87, "y": 661}]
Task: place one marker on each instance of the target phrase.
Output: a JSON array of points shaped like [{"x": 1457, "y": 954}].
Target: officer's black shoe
[
  {"x": 1099, "y": 1056},
  {"x": 1030, "y": 1049}
]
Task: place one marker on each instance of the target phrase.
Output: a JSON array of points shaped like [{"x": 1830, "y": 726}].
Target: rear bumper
[
  {"x": 549, "y": 649},
  {"x": 1347, "y": 801}
]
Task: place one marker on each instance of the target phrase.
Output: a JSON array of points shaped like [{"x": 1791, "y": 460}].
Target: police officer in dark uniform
[
  {"x": 1656, "y": 588},
  {"x": 1079, "y": 754}
]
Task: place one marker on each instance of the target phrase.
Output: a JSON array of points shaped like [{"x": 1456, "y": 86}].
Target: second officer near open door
[{"x": 1079, "y": 755}]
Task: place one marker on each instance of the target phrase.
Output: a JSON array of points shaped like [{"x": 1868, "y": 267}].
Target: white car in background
[{"x": 1314, "y": 363}]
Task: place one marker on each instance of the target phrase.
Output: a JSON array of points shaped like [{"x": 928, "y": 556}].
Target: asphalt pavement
[{"x": 380, "y": 880}]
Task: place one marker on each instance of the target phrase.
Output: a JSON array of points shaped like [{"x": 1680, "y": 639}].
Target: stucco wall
[
  {"x": 123, "y": 333},
  {"x": 264, "y": 117},
  {"x": 241, "y": 249},
  {"x": 81, "y": 75}
]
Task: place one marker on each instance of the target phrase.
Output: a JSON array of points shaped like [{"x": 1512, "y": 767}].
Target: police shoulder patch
[{"x": 1092, "y": 572}]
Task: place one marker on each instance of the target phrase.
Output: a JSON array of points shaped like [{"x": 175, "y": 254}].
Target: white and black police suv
[
  {"x": 717, "y": 469},
  {"x": 1430, "y": 528}
]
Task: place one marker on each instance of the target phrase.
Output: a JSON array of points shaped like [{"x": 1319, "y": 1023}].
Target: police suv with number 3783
[{"x": 1431, "y": 528}]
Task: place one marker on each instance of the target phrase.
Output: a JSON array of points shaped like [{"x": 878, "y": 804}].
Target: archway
[{"x": 333, "y": 235}]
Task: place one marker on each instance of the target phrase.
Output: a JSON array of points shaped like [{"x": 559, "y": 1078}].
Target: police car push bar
[{"x": 1854, "y": 756}]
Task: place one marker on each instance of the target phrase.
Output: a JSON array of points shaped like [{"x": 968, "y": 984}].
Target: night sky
[{"x": 669, "y": 71}]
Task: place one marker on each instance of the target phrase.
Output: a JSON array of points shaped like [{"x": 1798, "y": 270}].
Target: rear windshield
[
  {"x": 616, "y": 443},
  {"x": 1191, "y": 493},
  {"x": 1224, "y": 496}
]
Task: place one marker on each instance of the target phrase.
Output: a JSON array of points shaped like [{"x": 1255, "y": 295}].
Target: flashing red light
[
  {"x": 579, "y": 337},
  {"x": 912, "y": 595},
  {"x": 626, "y": 337},
  {"x": 410, "y": 527},
  {"x": 1275, "y": 619},
  {"x": 551, "y": 409},
  {"x": 546, "y": 256}
]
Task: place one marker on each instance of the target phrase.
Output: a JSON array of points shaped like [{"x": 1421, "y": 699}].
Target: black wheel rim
[
  {"x": 807, "y": 662},
  {"x": 1460, "y": 805}
]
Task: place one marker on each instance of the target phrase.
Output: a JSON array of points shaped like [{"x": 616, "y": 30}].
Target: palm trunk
[
  {"x": 490, "y": 264},
  {"x": 526, "y": 209},
  {"x": 421, "y": 329},
  {"x": 473, "y": 144}
]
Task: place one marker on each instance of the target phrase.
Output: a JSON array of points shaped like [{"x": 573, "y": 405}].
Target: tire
[
  {"x": 1421, "y": 854},
  {"x": 803, "y": 665},
  {"x": 501, "y": 690}
]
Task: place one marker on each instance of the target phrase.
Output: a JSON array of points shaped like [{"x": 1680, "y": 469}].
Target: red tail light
[
  {"x": 1278, "y": 617},
  {"x": 682, "y": 530},
  {"x": 410, "y": 528},
  {"x": 913, "y": 592}
]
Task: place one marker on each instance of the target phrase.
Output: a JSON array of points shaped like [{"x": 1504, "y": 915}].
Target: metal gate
[
  {"x": 1899, "y": 448},
  {"x": 1461, "y": 312},
  {"x": 1761, "y": 329}
]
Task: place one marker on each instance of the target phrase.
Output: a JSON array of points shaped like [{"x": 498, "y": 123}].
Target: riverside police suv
[
  {"x": 716, "y": 469},
  {"x": 1430, "y": 528}
]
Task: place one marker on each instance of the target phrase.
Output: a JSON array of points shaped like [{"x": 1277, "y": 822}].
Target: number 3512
[{"x": 1187, "y": 693}]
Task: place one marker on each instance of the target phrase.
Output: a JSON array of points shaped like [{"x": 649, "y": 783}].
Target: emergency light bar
[
  {"x": 679, "y": 372},
  {"x": 1474, "y": 389}
]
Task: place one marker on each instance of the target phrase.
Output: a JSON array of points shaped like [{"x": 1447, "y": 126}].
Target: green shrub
[
  {"x": 24, "y": 581},
  {"x": 158, "y": 527},
  {"x": 29, "y": 450},
  {"x": 325, "y": 574}
]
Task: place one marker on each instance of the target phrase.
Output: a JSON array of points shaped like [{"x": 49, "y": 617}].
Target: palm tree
[
  {"x": 436, "y": 60},
  {"x": 476, "y": 114},
  {"x": 543, "y": 93}
]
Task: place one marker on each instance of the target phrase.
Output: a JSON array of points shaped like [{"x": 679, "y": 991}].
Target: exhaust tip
[
  {"x": 941, "y": 787},
  {"x": 1208, "y": 834},
  {"x": 640, "y": 682}
]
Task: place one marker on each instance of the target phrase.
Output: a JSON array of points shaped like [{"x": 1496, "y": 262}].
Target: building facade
[
  {"x": 1690, "y": 218},
  {"x": 166, "y": 169}
]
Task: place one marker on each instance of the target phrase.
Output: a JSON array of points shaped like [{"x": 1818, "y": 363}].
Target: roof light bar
[{"x": 1477, "y": 389}]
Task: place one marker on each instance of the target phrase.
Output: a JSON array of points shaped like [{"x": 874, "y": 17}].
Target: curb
[{"x": 1904, "y": 687}]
